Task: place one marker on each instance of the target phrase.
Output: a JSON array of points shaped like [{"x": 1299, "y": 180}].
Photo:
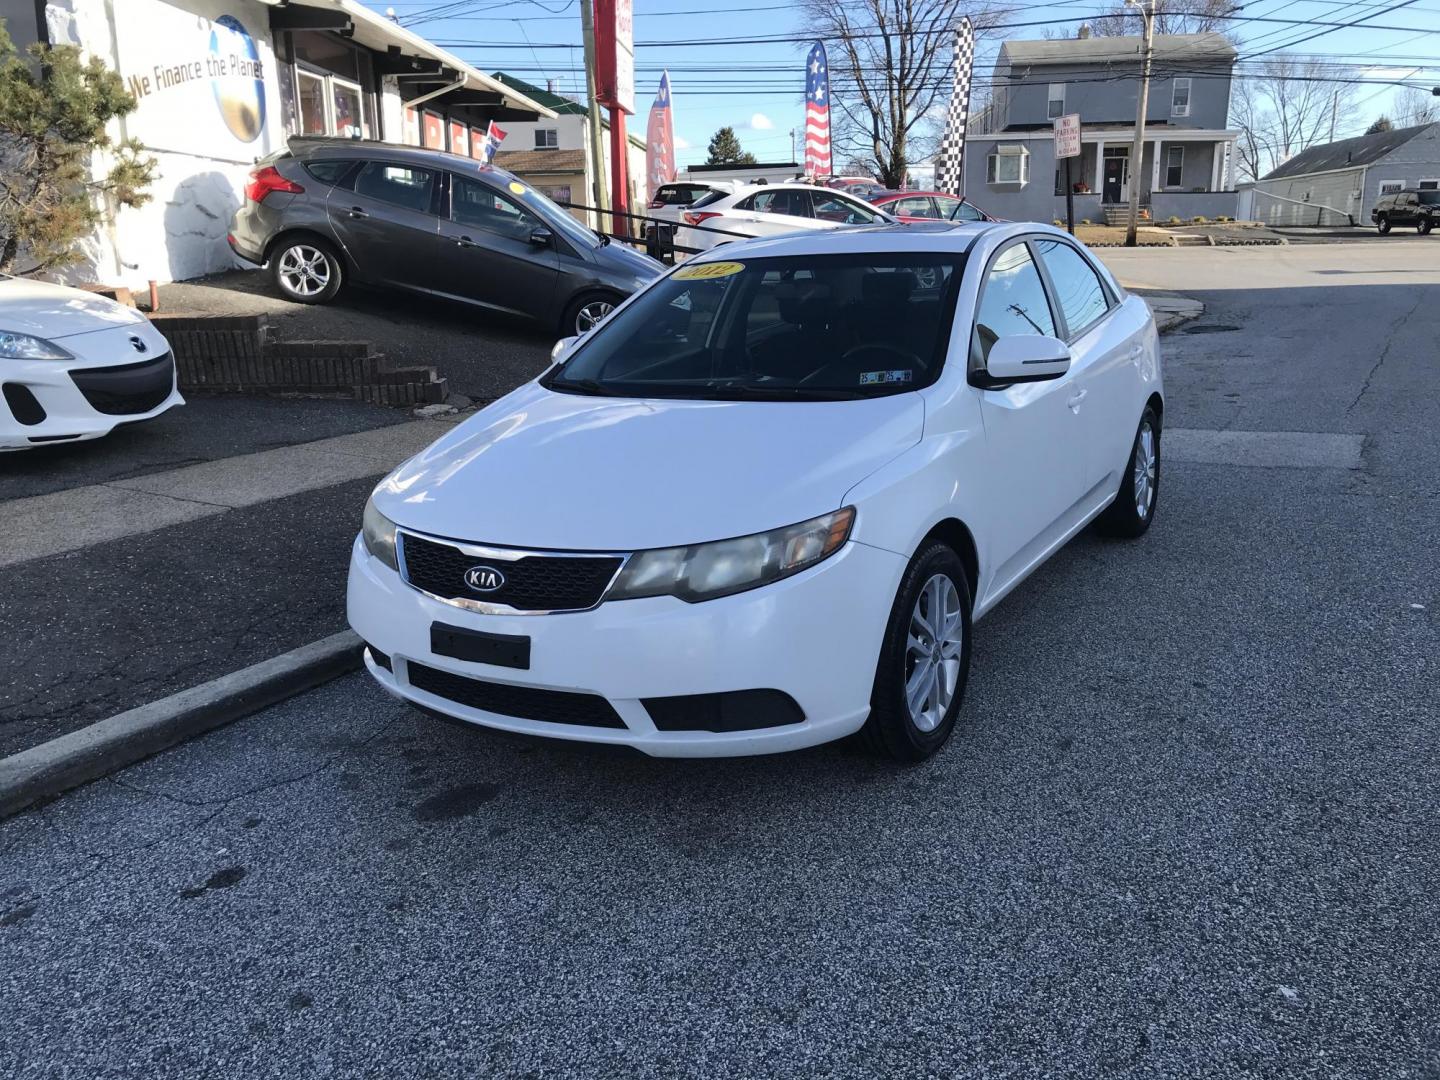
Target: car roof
[
  {"x": 891, "y": 196},
  {"x": 928, "y": 236},
  {"x": 311, "y": 147}
]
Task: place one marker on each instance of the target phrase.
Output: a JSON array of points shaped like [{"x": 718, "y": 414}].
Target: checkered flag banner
[{"x": 950, "y": 162}]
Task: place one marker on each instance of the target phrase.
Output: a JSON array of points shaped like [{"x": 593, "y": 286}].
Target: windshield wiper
[
  {"x": 602, "y": 237},
  {"x": 582, "y": 386},
  {"x": 816, "y": 393}
]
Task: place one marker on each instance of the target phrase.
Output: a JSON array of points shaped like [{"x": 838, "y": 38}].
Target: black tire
[
  {"x": 1425, "y": 226},
  {"x": 1383, "y": 226},
  {"x": 1130, "y": 515},
  {"x": 306, "y": 269},
  {"x": 577, "y": 318},
  {"x": 890, "y": 729}
]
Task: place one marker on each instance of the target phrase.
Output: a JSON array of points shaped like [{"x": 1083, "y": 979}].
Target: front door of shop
[{"x": 1115, "y": 188}]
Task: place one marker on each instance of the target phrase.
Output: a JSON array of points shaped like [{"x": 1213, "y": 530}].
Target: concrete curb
[{"x": 111, "y": 744}]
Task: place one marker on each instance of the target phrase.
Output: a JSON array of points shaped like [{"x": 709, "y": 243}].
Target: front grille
[
  {"x": 532, "y": 582},
  {"x": 23, "y": 404},
  {"x": 523, "y": 702},
  {"x": 127, "y": 388}
]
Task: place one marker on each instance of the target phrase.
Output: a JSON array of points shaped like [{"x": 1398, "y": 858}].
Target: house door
[{"x": 1117, "y": 173}]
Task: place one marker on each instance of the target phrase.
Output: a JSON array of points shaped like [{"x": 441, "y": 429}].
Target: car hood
[
  {"x": 540, "y": 469},
  {"x": 623, "y": 260},
  {"x": 56, "y": 311}
]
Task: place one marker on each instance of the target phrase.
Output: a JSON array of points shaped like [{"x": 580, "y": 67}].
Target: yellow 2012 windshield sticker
[
  {"x": 708, "y": 271},
  {"x": 518, "y": 189}
]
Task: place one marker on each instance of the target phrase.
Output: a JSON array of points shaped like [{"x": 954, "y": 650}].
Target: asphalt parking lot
[{"x": 1187, "y": 829}]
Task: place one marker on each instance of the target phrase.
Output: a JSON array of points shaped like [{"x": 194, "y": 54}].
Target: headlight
[
  {"x": 707, "y": 571},
  {"x": 15, "y": 346},
  {"x": 379, "y": 533}
]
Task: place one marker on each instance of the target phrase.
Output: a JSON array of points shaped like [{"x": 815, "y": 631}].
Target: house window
[
  {"x": 1008, "y": 165},
  {"x": 330, "y": 81},
  {"x": 1180, "y": 98},
  {"x": 1056, "y": 101},
  {"x": 547, "y": 138},
  {"x": 1429, "y": 185},
  {"x": 1174, "y": 165}
]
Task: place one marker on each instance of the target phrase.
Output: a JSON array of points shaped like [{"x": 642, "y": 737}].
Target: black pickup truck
[{"x": 1418, "y": 208}]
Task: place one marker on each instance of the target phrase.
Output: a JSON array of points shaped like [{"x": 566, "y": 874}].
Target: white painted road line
[{"x": 69, "y": 520}]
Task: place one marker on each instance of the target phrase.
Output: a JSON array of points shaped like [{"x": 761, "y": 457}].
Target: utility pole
[
  {"x": 1137, "y": 151},
  {"x": 592, "y": 115}
]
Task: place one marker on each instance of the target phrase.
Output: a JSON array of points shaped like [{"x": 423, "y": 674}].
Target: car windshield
[
  {"x": 813, "y": 327},
  {"x": 1430, "y": 198}
]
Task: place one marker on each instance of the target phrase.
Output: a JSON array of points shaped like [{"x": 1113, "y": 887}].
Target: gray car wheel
[{"x": 305, "y": 270}]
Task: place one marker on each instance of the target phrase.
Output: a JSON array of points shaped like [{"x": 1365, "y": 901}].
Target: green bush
[
  {"x": 1173, "y": 220},
  {"x": 1223, "y": 219},
  {"x": 1058, "y": 223},
  {"x": 1200, "y": 219},
  {"x": 1086, "y": 221}
]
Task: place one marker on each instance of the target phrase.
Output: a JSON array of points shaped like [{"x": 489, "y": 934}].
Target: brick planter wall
[{"x": 220, "y": 354}]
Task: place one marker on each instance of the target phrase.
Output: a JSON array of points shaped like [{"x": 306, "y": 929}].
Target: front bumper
[
  {"x": 815, "y": 636},
  {"x": 106, "y": 384}
]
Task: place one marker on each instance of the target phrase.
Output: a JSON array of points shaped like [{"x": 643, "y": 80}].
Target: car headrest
[
  {"x": 893, "y": 287},
  {"x": 803, "y": 302}
]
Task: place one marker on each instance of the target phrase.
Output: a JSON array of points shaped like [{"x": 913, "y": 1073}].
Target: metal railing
[{"x": 659, "y": 242}]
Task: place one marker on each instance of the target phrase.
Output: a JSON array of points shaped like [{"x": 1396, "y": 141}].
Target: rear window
[
  {"x": 1430, "y": 198},
  {"x": 816, "y": 328},
  {"x": 708, "y": 198}
]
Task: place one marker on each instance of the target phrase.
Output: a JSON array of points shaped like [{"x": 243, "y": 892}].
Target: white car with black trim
[
  {"x": 75, "y": 366},
  {"x": 761, "y": 506}
]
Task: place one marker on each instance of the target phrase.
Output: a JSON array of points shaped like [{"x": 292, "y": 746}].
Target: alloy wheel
[
  {"x": 590, "y": 314},
  {"x": 1147, "y": 468},
  {"x": 932, "y": 652},
  {"x": 304, "y": 270}
]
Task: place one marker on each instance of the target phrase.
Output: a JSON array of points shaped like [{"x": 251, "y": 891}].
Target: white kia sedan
[
  {"x": 770, "y": 210},
  {"x": 75, "y": 366},
  {"x": 761, "y": 505}
]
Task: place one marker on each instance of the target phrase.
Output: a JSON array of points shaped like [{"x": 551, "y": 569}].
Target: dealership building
[{"x": 220, "y": 83}]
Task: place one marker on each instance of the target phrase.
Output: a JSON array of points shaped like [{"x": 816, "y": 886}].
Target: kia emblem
[{"x": 484, "y": 579}]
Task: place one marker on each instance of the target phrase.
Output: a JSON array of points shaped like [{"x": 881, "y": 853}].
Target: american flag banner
[
  {"x": 950, "y": 162},
  {"x": 660, "y": 137},
  {"x": 817, "y": 113},
  {"x": 494, "y": 136}
]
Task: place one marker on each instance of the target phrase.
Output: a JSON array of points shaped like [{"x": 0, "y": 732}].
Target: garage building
[{"x": 1340, "y": 182}]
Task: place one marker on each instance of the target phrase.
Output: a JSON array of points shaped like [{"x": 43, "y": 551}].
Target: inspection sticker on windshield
[
  {"x": 877, "y": 378},
  {"x": 707, "y": 271}
]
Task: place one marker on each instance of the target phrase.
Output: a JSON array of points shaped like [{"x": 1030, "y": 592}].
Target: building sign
[
  {"x": 459, "y": 138},
  {"x": 432, "y": 127},
  {"x": 1067, "y": 136},
  {"x": 171, "y": 59},
  {"x": 615, "y": 54}
]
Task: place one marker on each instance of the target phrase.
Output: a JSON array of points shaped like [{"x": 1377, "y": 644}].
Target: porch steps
[{"x": 1191, "y": 240}]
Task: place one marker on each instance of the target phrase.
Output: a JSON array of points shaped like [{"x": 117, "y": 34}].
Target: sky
[{"x": 758, "y": 88}]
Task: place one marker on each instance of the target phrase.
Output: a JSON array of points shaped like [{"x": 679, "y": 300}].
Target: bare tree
[
  {"x": 1414, "y": 106},
  {"x": 889, "y": 74},
  {"x": 1177, "y": 17},
  {"x": 1288, "y": 105}
]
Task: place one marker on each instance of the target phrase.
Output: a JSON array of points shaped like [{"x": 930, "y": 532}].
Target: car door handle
[
  {"x": 1075, "y": 399},
  {"x": 1136, "y": 351},
  {"x": 356, "y": 212},
  {"x": 465, "y": 241}
]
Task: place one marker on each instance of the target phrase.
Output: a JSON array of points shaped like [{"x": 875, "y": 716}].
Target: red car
[{"x": 928, "y": 206}]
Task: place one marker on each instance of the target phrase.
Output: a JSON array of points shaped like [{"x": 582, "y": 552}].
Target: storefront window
[
  {"x": 350, "y": 114},
  {"x": 310, "y": 94}
]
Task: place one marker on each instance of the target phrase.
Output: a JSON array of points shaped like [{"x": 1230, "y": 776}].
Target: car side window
[
  {"x": 402, "y": 185},
  {"x": 328, "y": 172},
  {"x": 481, "y": 206},
  {"x": 915, "y": 206},
  {"x": 1012, "y": 303},
  {"x": 829, "y": 206},
  {"x": 1078, "y": 290},
  {"x": 783, "y": 201},
  {"x": 963, "y": 211}
]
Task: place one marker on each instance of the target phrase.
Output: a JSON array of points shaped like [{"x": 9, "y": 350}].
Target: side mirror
[
  {"x": 541, "y": 237},
  {"x": 1022, "y": 359},
  {"x": 561, "y": 347}
]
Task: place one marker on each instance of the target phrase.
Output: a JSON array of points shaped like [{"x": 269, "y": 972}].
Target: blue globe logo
[{"x": 238, "y": 78}]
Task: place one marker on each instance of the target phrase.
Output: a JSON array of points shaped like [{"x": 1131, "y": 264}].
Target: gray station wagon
[{"x": 329, "y": 211}]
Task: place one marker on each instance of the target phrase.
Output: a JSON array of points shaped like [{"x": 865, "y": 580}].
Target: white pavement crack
[{"x": 64, "y": 521}]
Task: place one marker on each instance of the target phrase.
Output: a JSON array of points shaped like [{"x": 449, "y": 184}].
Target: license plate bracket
[{"x": 478, "y": 647}]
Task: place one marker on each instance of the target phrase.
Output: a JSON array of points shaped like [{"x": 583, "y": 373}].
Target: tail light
[
  {"x": 656, "y": 204},
  {"x": 698, "y": 216},
  {"x": 265, "y": 180}
]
